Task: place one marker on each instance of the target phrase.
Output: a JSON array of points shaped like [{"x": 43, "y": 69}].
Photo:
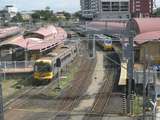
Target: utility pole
[
  {"x": 1, "y": 98},
  {"x": 26, "y": 53},
  {"x": 130, "y": 68},
  {"x": 144, "y": 85},
  {"x": 1, "y": 104},
  {"x": 155, "y": 89},
  {"x": 94, "y": 46},
  {"x": 91, "y": 42}
]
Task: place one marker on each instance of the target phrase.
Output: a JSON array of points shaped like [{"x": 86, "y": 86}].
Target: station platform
[
  {"x": 123, "y": 74},
  {"x": 17, "y": 70}
]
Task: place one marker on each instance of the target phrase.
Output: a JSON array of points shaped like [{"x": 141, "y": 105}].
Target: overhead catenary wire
[{"x": 28, "y": 77}]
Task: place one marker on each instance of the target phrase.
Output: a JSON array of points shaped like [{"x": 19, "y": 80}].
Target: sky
[
  {"x": 158, "y": 3},
  {"x": 55, "y": 5}
]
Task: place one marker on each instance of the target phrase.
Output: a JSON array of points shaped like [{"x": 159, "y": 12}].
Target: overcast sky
[{"x": 56, "y": 5}]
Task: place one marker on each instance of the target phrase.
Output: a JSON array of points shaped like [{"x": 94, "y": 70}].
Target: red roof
[
  {"x": 143, "y": 25},
  {"x": 39, "y": 44},
  {"x": 6, "y": 32},
  {"x": 45, "y": 31},
  {"x": 149, "y": 36}
]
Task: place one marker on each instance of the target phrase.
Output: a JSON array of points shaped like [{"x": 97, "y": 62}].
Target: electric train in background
[
  {"x": 104, "y": 41},
  {"x": 45, "y": 68}
]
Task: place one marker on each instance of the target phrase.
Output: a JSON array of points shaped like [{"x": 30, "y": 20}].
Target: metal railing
[
  {"x": 14, "y": 65},
  {"x": 151, "y": 76}
]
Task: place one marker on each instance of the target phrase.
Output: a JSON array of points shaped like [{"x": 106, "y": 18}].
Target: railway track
[
  {"x": 98, "y": 109},
  {"x": 75, "y": 93},
  {"x": 66, "y": 102},
  {"x": 22, "y": 98},
  {"x": 71, "y": 96}
]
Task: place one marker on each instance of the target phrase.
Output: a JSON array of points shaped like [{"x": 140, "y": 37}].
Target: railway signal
[{"x": 58, "y": 62}]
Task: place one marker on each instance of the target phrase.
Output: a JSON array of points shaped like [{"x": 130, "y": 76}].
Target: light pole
[
  {"x": 91, "y": 45},
  {"x": 130, "y": 68},
  {"x": 26, "y": 54},
  {"x": 94, "y": 46},
  {"x": 1, "y": 97},
  {"x": 1, "y": 103}
]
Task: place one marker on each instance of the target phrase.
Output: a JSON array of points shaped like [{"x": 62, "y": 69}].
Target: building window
[
  {"x": 137, "y": 9},
  {"x": 115, "y": 6},
  {"x": 137, "y": 5},
  {"x": 106, "y": 6},
  {"x": 124, "y": 6},
  {"x": 137, "y": 2}
]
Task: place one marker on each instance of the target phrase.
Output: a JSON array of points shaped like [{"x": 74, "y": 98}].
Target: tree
[
  {"x": 77, "y": 14},
  {"x": 17, "y": 18},
  {"x": 67, "y": 15},
  {"x": 157, "y": 12},
  {"x": 45, "y": 15},
  {"x": 36, "y": 16}
]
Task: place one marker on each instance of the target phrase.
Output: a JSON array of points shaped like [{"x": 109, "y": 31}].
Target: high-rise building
[
  {"x": 116, "y": 9},
  {"x": 11, "y": 10},
  {"x": 141, "y": 8},
  {"x": 89, "y": 8},
  {"x": 105, "y": 9}
]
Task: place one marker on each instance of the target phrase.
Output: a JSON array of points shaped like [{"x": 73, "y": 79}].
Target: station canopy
[
  {"x": 145, "y": 29},
  {"x": 36, "y": 43}
]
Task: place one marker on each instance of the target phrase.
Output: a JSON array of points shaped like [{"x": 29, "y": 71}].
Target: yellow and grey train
[
  {"x": 104, "y": 41},
  {"x": 45, "y": 68}
]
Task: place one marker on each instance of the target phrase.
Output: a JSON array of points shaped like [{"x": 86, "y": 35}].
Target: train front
[
  {"x": 108, "y": 43},
  {"x": 43, "y": 70}
]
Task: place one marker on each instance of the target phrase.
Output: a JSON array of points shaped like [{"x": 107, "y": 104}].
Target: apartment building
[
  {"x": 89, "y": 8},
  {"x": 118, "y": 9},
  {"x": 114, "y": 9},
  {"x": 141, "y": 8},
  {"x": 105, "y": 9}
]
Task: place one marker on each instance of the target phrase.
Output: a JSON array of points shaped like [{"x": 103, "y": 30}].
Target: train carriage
[
  {"x": 45, "y": 68},
  {"x": 104, "y": 41}
]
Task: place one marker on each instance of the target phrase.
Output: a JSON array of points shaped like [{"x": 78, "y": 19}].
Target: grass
[
  {"x": 138, "y": 105},
  {"x": 65, "y": 82},
  {"x": 7, "y": 87},
  {"x": 12, "y": 85},
  {"x": 69, "y": 76}
]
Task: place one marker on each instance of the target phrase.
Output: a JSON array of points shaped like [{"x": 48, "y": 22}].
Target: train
[
  {"x": 45, "y": 68},
  {"x": 104, "y": 41}
]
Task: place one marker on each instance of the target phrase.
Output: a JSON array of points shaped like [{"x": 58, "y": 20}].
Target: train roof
[
  {"x": 104, "y": 37},
  {"x": 54, "y": 54}
]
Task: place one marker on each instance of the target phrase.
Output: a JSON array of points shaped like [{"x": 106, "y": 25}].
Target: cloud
[{"x": 56, "y": 5}]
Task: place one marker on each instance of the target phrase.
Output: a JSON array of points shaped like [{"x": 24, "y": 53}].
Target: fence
[
  {"x": 151, "y": 76},
  {"x": 9, "y": 66}
]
